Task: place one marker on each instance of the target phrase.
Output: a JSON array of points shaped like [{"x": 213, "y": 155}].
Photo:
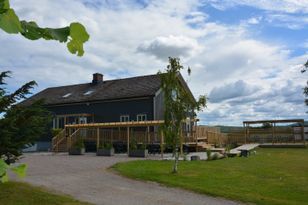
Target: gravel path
[{"x": 86, "y": 178}]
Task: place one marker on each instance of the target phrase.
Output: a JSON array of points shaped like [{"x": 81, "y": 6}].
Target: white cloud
[
  {"x": 252, "y": 21},
  {"x": 232, "y": 90},
  {"x": 289, "y": 21},
  {"x": 290, "y": 6},
  {"x": 171, "y": 46},
  {"x": 218, "y": 54}
]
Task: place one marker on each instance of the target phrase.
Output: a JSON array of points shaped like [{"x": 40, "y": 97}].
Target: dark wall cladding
[{"x": 109, "y": 111}]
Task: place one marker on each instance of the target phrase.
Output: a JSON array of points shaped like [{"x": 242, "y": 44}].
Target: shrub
[
  {"x": 55, "y": 131},
  {"x": 107, "y": 145},
  {"x": 215, "y": 156},
  {"x": 142, "y": 146},
  {"x": 133, "y": 145},
  {"x": 78, "y": 144},
  {"x": 208, "y": 154}
]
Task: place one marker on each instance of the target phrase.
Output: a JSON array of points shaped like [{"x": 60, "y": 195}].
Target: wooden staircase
[
  {"x": 59, "y": 142},
  {"x": 63, "y": 141}
]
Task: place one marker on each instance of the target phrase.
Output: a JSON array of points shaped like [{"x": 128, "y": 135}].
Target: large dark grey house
[{"x": 129, "y": 99}]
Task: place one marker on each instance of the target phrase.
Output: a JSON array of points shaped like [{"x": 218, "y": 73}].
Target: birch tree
[{"x": 178, "y": 105}]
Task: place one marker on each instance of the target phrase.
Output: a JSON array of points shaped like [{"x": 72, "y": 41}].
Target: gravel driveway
[{"x": 86, "y": 178}]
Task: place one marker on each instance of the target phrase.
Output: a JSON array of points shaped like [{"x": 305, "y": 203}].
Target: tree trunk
[{"x": 176, "y": 160}]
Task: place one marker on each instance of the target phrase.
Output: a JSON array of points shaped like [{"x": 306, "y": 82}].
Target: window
[
  {"x": 67, "y": 95},
  {"x": 141, "y": 117},
  {"x": 124, "y": 118},
  {"x": 88, "y": 92}
]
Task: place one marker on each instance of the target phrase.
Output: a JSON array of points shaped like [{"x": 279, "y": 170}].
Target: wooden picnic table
[{"x": 244, "y": 150}]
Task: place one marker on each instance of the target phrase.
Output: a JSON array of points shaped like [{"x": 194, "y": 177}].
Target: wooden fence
[
  {"x": 208, "y": 135},
  {"x": 264, "y": 136}
]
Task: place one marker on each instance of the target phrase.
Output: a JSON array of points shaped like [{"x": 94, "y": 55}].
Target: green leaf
[
  {"x": 3, "y": 167},
  {"x": 4, "y": 178},
  {"x": 20, "y": 170},
  {"x": 9, "y": 22},
  {"x": 4, "y": 6},
  {"x": 78, "y": 36},
  {"x": 30, "y": 30},
  {"x": 33, "y": 32},
  {"x": 60, "y": 34}
]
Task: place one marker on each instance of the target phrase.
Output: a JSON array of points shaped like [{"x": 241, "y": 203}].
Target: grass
[
  {"x": 272, "y": 176},
  {"x": 16, "y": 193}
]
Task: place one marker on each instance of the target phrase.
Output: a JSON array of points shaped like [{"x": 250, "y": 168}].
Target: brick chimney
[{"x": 97, "y": 78}]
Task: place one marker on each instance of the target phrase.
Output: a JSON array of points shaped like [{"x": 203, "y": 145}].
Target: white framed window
[
  {"x": 124, "y": 118},
  {"x": 82, "y": 120},
  {"x": 67, "y": 95},
  {"x": 89, "y": 92},
  {"x": 141, "y": 117}
]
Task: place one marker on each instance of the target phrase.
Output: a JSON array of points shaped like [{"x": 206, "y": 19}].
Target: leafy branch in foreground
[
  {"x": 75, "y": 34},
  {"x": 179, "y": 104}
]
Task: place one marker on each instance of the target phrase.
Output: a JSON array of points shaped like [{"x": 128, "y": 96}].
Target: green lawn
[
  {"x": 16, "y": 193},
  {"x": 272, "y": 176}
]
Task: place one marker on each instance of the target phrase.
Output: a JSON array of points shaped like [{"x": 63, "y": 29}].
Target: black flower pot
[
  {"x": 76, "y": 151},
  {"x": 138, "y": 153},
  {"x": 105, "y": 152}
]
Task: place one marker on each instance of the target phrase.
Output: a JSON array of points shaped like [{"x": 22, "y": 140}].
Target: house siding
[
  {"x": 109, "y": 111},
  {"x": 159, "y": 105}
]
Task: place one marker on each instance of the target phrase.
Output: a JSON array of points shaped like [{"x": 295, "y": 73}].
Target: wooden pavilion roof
[{"x": 274, "y": 121}]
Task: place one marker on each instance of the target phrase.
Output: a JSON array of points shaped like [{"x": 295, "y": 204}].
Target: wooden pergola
[
  {"x": 71, "y": 129},
  {"x": 273, "y": 124}
]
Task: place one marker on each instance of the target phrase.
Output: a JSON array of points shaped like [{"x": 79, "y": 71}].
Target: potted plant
[
  {"x": 137, "y": 150},
  {"x": 105, "y": 149},
  {"x": 77, "y": 148}
]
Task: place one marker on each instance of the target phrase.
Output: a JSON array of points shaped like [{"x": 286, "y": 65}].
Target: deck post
[
  {"x": 127, "y": 140},
  {"x": 111, "y": 140},
  {"x": 245, "y": 130},
  {"x": 148, "y": 134},
  {"x": 64, "y": 121},
  {"x": 248, "y": 134},
  {"x": 97, "y": 138},
  {"x": 273, "y": 132},
  {"x": 68, "y": 144},
  {"x": 303, "y": 132},
  {"x": 161, "y": 144},
  {"x": 196, "y": 143}
]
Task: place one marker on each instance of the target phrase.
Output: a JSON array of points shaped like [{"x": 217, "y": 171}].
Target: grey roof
[{"x": 107, "y": 90}]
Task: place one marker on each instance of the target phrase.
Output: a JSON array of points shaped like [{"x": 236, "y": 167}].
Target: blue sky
[{"x": 246, "y": 55}]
